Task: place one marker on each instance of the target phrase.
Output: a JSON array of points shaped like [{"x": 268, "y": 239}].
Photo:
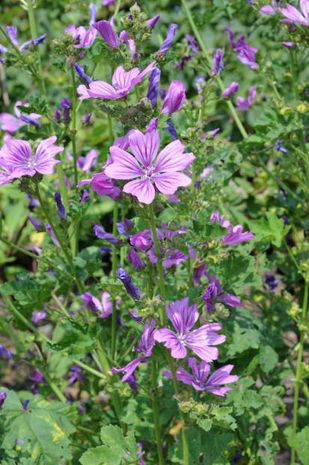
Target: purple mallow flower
[
  {"x": 106, "y": 31},
  {"x": 201, "y": 379},
  {"x": 235, "y": 235},
  {"x": 123, "y": 82},
  {"x": 37, "y": 377},
  {"x": 231, "y": 89},
  {"x": 5, "y": 353},
  {"x": 17, "y": 159},
  {"x": 166, "y": 44},
  {"x": 183, "y": 317},
  {"x": 144, "y": 347},
  {"x": 76, "y": 374},
  {"x": 175, "y": 97},
  {"x": 102, "y": 185},
  {"x": 3, "y": 396},
  {"x": 37, "y": 224},
  {"x": 243, "y": 103},
  {"x": 88, "y": 161},
  {"x": 292, "y": 15},
  {"x": 174, "y": 258},
  {"x": 151, "y": 169},
  {"x": 217, "y": 62},
  {"x": 245, "y": 53},
  {"x": 153, "y": 87},
  {"x": 126, "y": 280},
  {"x": 213, "y": 293},
  {"x": 279, "y": 147},
  {"x": 83, "y": 37},
  {"x": 10, "y": 123},
  {"x": 103, "y": 308}
]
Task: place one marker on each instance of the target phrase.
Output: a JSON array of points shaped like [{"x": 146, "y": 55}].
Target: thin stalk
[
  {"x": 299, "y": 369},
  {"x": 89, "y": 369},
  {"x": 156, "y": 414},
  {"x": 55, "y": 389},
  {"x": 20, "y": 55},
  {"x": 34, "y": 35},
  {"x": 114, "y": 275},
  {"x": 159, "y": 261},
  {"x": 117, "y": 8},
  {"x": 73, "y": 127},
  {"x": 65, "y": 199}
]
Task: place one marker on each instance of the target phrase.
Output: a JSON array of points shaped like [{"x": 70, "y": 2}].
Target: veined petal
[
  {"x": 142, "y": 189},
  {"x": 182, "y": 315},
  {"x": 168, "y": 183},
  {"x": 123, "y": 79},
  {"x": 222, "y": 376},
  {"x": 44, "y": 157},
  {"x": 172, "y": 158},
  {"x": 18, "y": 153},
  {"x": 101, "y": 89},
  {"x": 83, "y": 93},
  {"x": 304, "y": 6},
  {"x": 136, "y": 80},
  {"x": 123, "y": 166},
  {"x": 144, "y": 146},
  {"x": 170, "y": 341}
]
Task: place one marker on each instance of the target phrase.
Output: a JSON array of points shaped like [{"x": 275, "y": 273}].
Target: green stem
[
  {"x": 73, "y": 128},
  {"x": 159, "y": 261},
  {"x": 89, "y": 369},
  {"x": 64, "y": 195},
  {"x": 34, "y": 35},
  {"x": 117, "y": 8},
  {"x": 156, "y": 414},
  {"x": 114, "y": 275},
  {"x": 55, "y": 389},
  {"x": 298, "y": 379}
]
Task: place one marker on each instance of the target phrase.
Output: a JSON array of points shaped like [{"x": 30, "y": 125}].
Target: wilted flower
[
  {"x": 123, "y": 82},
  {"x": 17, "y": 159},
  {"x": 153, "y": 87},
  {"x": 103, "y": 308},
  {"x": 235, "y": 235},
  {"x": 60, "y": 207},
  {"x": 244, "y": 104},
  {"x": 166, "y": 44},
  {"x": 183, "y": 317},
  {"x": 202, "y": 380},
  {"x": 175, "y": 97},
  {"x": 174, "y": 258},
  {"x": 102, "y": 185},
  {"x": 10, "y": 123},
  {"x": 245, "y": 53},
  {"x": 102, "y": 234},
  {"x": 136, "y": 261},
  {"x": 214, "y": 293},
  {"x": 126, "y": 279},
  {"x": 82, "y": 73},
  {"x": 231, "y": 89},
  {"x": 217, "y": 62},
  {"x": 152, "y": 169},
  {"x": 88, "y": 161},
  {"x": 84, "y": 37}
]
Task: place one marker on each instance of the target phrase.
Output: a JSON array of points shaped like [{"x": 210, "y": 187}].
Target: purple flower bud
[
  {"x": 153, "y": 88},
  {"x": 152, "y": 21},
  {"x": 57, "y": 115},
  {"x": 126, "y": 280},
  {"x": 37, "y": 376},
  {"x": 108, "y": 2},
  {"x": 66, "y": 106},
  {"x": 12, "y": 33},
  {"x": 60, "y": 207},
  {"x": 84, "y": 196},
  {"x": 124, "y": 227},
  {"x": 288, "y": 44},
  {"x": 102, "y": 234},
  {"x": 217, "y": 62},
  {"x": 92, "y": 12},
  {"x": 29, "y": 120},
  {"x": 107, "y": 32},
  {"x": 175, "y": 97},
  {"x": 37, "y": 41},
  {"x": 279, "y": 147},
  {"x": 166, "y": 44},
  {"x": 193, "y": 43},
  {"x": 5, "y": 353},
  {"x": 38, "y": 225},
  {"x": 200, "y": 83},
  {"x": 231, "y": 89},
  {"x": 82, "y": 74},
  {"x": 136, "y": 261},
  {"x": 103, "y": 185},
  {"x": 76, "y": 374},
  {"x": 51, "y": 233},
  {"x": 38, "y": 316},
  {"x": 25, "y": 404},
  {"x": 86, "y": 118},
  {"x": 171, "y": 129},
  {"x": 3, "y": 396}
]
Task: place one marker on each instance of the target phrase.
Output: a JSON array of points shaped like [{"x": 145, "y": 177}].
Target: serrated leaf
[{"x": 268, "y": 358}]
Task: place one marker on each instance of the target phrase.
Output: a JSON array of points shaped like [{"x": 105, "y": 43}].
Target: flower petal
[
  {"x": 100, "y": 89},
  {"x": 171, "y": 342},
  {"x": 144, "y": 146},
  {"x": 123, "y": 166},
  {"x": 168, "y": 183},
  {"x": 142, "y": 189},
  {"x": 172, "y": 158}
]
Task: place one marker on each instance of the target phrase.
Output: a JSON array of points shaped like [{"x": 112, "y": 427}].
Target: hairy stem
[{"x": 156, "y": 413}]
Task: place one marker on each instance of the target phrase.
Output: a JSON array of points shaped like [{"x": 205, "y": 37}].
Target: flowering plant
[{"x": 154, "y": 209}]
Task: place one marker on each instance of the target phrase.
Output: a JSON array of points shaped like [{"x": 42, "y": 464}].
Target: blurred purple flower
[
  {"x": 175, "y": 97},
  {"x": 5, "y": 353},
  {"x": 37, "y": 224},
  {"x": 106, "y": 31},
  {"x": 231, "y": 89},
  {"x": 153, "y": 87},
  {"x": 217, "y": 62},
  {"x": 152, "y": 21},
  {"x": 166, "y": 44},
  {"x": 244, "y": 104},
  {"x": 136, "y": 261},
  {"x": 293, "y": 15},
  {"x": 37, "y": 316},
  {"x": 200, "y": 82},
  {"x": 213, "y": 293},
  {"x": 103, "y": 308},
  {"x": 271, "y": 281},
  {"x": 60, "y": 207},
  {"x": 183, "y": 317},
  {"x": 192, "y": 42},
  {"x": 11, "y": 124},
  {"x": 84, "y": 37},
  {"x": 82, "y": 73},
  {"x": 245, "y": 53},
  {"x": 174, "y": 258},
  {"x": 105, "y": 236},
  {"x": 279, "y": 147},
  {"x": 171, "y": 129},
  {"x": 76, "y": 374},
  {"x": 88, "y": 161},
  {"x": 52, "y": 235},
  {"x": 3, "y": 396},
  {"x": 37, "y": 377}
]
